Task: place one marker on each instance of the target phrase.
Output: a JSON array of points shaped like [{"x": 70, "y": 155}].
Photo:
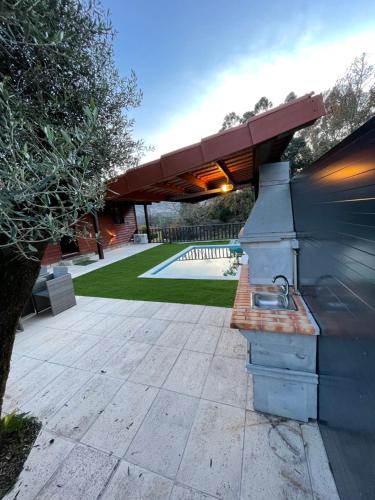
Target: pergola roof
[{"x": 198, "y": 172}]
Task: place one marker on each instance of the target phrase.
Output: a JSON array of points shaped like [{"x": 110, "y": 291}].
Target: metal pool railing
[{"x": 206, "y": 232}]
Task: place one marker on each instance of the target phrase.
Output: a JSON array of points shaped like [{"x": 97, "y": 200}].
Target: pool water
[{"x": 201, "y": 262}]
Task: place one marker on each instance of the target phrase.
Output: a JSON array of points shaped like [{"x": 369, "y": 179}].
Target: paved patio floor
[
  {"x": 110, "y": 256},
  {"x": 145, "y": 400}
]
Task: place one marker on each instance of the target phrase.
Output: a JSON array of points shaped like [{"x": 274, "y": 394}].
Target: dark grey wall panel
[{"x": 334, "y": 211}]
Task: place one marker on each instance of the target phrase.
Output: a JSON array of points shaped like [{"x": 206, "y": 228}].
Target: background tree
[
  {"x": 290, "y": 97},
  {"x": 262, "y": 105},
  {"x": 62, "y": 134},
  {"x": 298, "y": 152},
  {"x": 232, "y": 119},
  {"x": 349, "y": 104},
  {"x": 231, "y": 207}
]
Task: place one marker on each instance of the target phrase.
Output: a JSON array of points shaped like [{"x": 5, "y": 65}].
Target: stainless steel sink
[{"x": 273, "y": 301}]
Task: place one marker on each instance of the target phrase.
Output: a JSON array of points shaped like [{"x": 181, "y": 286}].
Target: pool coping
[{"x": 152, "y": 273}]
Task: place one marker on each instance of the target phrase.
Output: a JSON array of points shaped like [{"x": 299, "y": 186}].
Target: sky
[{"x": 197, "y": 60}]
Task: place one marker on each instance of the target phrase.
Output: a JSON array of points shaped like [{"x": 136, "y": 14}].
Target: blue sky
[{"x": 197, "y": 60}]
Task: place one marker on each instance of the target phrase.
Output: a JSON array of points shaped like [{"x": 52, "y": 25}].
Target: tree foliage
[
  {"x": 231, "y": 207},
  {"x": 63, "y": 133},
  {"x": 63, "y": 130},
  {"x": 349, "y": 104},
  {"x": 232, "y": 119},
  {"x": 46, "y": 178}
]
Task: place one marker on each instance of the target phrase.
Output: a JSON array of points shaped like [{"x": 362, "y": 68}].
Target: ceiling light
[{"x": 226, "y": 187}]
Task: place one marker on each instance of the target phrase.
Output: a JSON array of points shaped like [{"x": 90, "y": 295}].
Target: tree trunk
[{"x": 17, "y": 278}]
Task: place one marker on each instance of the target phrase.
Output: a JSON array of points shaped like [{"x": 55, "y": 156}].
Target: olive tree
[{"x": 63, "y": 132}]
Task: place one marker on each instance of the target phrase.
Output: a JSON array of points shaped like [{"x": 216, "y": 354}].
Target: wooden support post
[
  {"x": 97, "y": 230},
  {"x": 147, "y": 223}
]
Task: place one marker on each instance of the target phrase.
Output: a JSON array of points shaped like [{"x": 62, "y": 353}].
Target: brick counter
[{"x": 245, "y": 317}]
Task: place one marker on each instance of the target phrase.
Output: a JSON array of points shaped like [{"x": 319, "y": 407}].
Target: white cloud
[{"x": 309, "y": 67}]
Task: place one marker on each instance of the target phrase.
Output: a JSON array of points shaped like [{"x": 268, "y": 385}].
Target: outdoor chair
[
  {"x": 55, "y": 291},
  {"x": 60, "y": 271}
]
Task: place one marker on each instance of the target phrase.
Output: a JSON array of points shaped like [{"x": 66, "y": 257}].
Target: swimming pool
[{"x": 212, "y": 262}]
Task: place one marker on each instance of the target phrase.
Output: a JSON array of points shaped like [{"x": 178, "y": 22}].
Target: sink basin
[{"x": 272, "y": 301}]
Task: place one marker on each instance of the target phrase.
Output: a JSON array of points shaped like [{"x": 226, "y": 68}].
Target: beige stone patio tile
[
  {"x": 82, "y": 475},
  {"x": 213, "y": 455},
  {"x": 93, "y": 304},
  {"x": 150, "y": 331},
  {"x": 97, "y": 356},
  {"x": 159, "y": 444},
  {"x": 189, "y": 373},
  {"x": 37, "y": 338},
  {"x": 24, "y": 389},
  {"x": 111, "y": 306},
  {"x": 168, "y": 311},
  {"x": 213, "y": 316},
  {"x": 175, "y": 335},
  {"x": 83, "y": 300},
  {"x": 86, "y": 323},
  {"x": 184, "y": 493},
  {"x": 122, "y": 307},
  {"x": 189, "y": 313},
  {"x": 127, "y": 328},
  {"x": 78, "y": 344},
  {"x": 154, "y": 368},
  {"x": 105, "y": 325},
  {"x": 232, "y": 344},
  {"x": 274, "y": 462},
  {"x": 147, "y": 309},
  {"x": 115, "y": 428},
  {"x": 126, "y": 359},
  {"x": 226, "y": 382},
  {"x": 45, "y": 350},
  {"x": 250, "y": 395},
  {"x": 322, "y": 481},
  {"x": 204, "y": 338},
  {"x": 66, "y": 319},
  {"x": 79, "y": 413},
  {"x": 131, "y": 482},
  {"x": 48, "y": 401},
  {"x": 21, "y": 366},
  {"x": 228, "y": 317}
]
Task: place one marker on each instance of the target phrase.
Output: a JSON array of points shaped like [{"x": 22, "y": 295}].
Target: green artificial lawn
[
  {"x": 85, "y": 262},
  {"x": 120, "y": 281}
]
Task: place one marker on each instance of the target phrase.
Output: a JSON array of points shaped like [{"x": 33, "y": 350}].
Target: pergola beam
[
  {"x": 170, "y": 187},
  {"x": 225, "y": 171},
  {"x": 189, "y": 196},
  {"x": 194, "y": 181},
  {"x": 140, "y": 197}
]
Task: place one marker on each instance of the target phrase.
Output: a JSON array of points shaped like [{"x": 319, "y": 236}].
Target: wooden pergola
[{"x": 222, "y": 162}]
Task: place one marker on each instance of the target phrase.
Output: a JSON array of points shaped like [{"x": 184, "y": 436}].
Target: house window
[{"x": 117, "y": 215}]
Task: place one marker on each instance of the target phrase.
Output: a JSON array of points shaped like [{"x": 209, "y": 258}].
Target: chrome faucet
[{"x": 284, "y": 287}]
